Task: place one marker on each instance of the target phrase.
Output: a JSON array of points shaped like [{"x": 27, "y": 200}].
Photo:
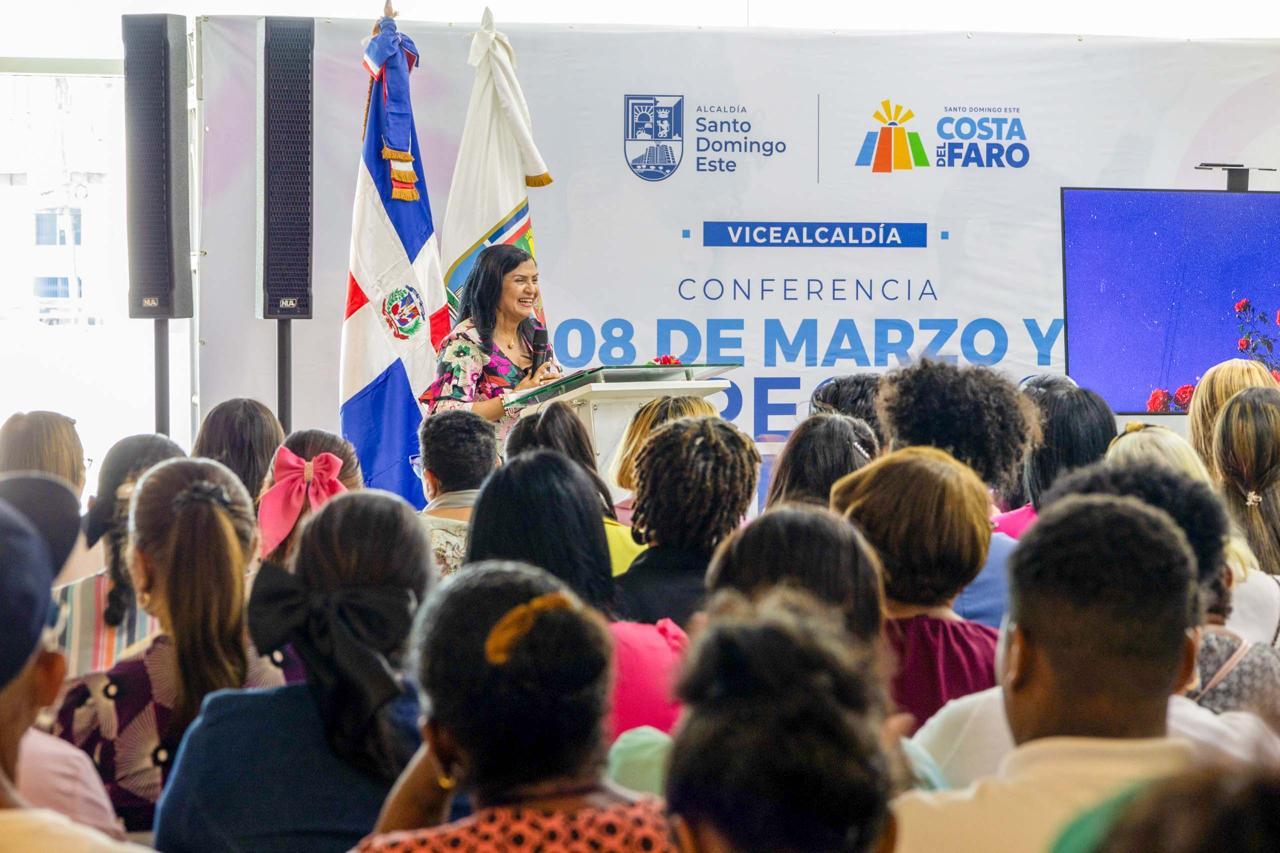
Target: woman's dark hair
[
  {"x": 1192, "y": 505},
  {"x": 538, "y": 715},
  {"x": 556, "y": 427},
  {"x": 973, "y": 413},
  {"x": 242, "y": 434},
  {"x": 193, "y": 521},
  {"x": 695, "y": 478},
  {"x": 541, "y": 508},
  {"x": 1246, "y": 459},
  {"x": 779, "y": 746},
  {"x": 1204, "y": 810},
  {"x": 807, "y": 548},
  {"x": 482, "y": 290},
  {"x": 1014, "y": 494},
  {"x": 1076, "y": 426},
  {"x": 459, "y": 447},
  {"x": 853, "y": 395},
  {"x": 308, "y": 444},
  {"x": 364, "y": 541},
  {"x": 821, "y": 450},
  {"x": 108, "y": 518}
]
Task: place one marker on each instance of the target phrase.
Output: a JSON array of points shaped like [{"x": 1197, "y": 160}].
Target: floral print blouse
[
  {"x": 119, "y": 718},
  {"x": 466, "y": 375}
]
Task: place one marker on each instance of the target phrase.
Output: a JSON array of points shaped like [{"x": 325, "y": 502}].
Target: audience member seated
[
  {"x": 810, "y": 549},
  {"x": 542, "y": 508},
  {"x": 1104, "y": 603},
  {"x": 1218, "y": 385},
  {"x": 1255, "y": 595},
  {"x": 695, "y": 479},
  {"x": 821, "y": 450},
  {"x": 242, "y": 434},
  {"x": 1014, "y": 493},
  {"x": 46, "y": 442},
  {"x": 51, "y": 773},
  {"x": 327, "y": 752},
  {"x": 311, "y": 467},
  {"x": 1234, "y": 674},
  {"x": 970, "y": 737},
  {"x": 556, "y": 427},
  {"x": 191, "y": 537},
  {"x": 1201, "y": 811},
  {"x": 650, "y": 416},
  {"x": 31, "y": 671},
  {"x": 458, "y": 449},
  {"x": 780, "y": 746},
  {"x": 97, "y": 635},
  {"x": 1246, "y": 459},
  {"x": 977, "y": 416},
  {"x": 1076, "y": 427},
  {"x": 927, "y": 517},
  {"x": 515, "y": 672},
  {"x": 853, "y": 395}
]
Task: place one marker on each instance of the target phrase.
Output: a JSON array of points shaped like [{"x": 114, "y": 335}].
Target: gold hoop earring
[{"x": 446, "y": 782}]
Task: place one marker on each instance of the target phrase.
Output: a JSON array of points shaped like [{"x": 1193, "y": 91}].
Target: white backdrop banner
[{"x": 802, "y": 203}]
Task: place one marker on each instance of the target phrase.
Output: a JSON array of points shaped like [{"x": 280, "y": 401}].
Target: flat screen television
[{"x": 1160, "y": 285}]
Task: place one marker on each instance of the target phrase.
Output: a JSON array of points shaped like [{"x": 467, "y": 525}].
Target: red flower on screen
[
  {"x": 1242, "y": 305},
  {"x": 1182, "y": 396},
  {"x": 1278, "y": 318},
  {"x": 1243, "y": 344},
  {"x": 1275, "y": 374},
  {"x": 1158, "y": 401}
]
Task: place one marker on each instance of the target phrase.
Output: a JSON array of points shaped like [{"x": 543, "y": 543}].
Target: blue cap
[{"x": 26, "y": 581}]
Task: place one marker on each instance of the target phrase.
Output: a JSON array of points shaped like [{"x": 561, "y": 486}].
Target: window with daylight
[{"x": 64, "y": 312}]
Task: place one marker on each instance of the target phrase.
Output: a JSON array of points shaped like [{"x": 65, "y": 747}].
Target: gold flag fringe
[
  {"x": 392, "y": 154},
  {"x": 405, "y": 177},
  {"x": 537, "y": 180},
  {"x": 404, "y": 194}
]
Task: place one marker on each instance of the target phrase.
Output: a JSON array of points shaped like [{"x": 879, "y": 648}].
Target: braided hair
[{"x": 694, "y": 481}]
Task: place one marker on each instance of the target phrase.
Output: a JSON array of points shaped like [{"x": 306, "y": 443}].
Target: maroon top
[{"x": 939, "y": 660}]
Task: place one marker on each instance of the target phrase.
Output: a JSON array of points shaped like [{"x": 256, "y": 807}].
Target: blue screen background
[{"x": 1151, "y": 281}]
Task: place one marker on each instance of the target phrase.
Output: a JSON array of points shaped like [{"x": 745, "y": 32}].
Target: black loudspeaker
[
  {"x": 155, "y": 112},
  {"x": 283, "y": 285}
]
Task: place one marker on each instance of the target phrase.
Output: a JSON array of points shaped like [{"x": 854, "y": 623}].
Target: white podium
[{"x": 606, "y": 398}]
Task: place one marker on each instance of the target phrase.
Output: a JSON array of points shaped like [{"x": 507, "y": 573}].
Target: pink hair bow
[{"x": 298, "y": 482}]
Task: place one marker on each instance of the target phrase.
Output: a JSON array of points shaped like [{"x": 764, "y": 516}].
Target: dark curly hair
[
  {"x": 853, "y": 395},
  {"x": 821, "y": 450},
  {"x": 482, "y": 290},
  {"x": 973, "y": 413},
  {"x": 539, "y": 715},
  {"x": 1192, "y": 505},
  {"x": 459, "y": 447},
  {"x": 695, "y": 478},
  {"x": 779, "y": 747}
]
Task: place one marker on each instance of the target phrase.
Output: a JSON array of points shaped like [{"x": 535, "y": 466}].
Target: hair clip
[
  {"x": 518, "y": 621},
  {"x": 1252, "y": 498}
]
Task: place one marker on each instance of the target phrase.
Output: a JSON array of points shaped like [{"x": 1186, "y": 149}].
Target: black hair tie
[{"x": 202, "y": 491}]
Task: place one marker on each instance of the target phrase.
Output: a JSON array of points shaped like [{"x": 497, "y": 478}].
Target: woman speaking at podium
[{"x": 491, "y": 351}]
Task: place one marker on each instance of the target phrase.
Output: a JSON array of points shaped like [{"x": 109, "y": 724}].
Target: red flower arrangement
[
  {"x": 1256, "y": 340},
  {"x": 665, "y": 359}
]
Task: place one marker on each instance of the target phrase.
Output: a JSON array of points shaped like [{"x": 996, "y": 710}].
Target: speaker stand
[
  {"x": 162, "y": 375},
  {"x": 284, "y": 374}
]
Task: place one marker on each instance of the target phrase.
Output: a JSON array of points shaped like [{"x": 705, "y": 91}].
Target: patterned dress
[
  {"x": 118, "y": 718},
  {"x": 466, "y": 375},
  {"x": 625, "y": 827}
]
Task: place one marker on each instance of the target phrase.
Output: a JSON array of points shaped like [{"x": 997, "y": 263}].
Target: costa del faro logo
[
  {"x": 654, "y": 134},
  {"x": 403, "y": 312},
  {"x": 892, "y": 147}
]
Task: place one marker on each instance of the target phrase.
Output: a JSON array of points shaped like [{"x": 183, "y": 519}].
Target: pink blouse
[{"x": 646, "y": 662}]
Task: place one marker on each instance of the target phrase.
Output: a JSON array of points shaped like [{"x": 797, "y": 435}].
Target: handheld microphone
[{"x": 536, "y": 334}]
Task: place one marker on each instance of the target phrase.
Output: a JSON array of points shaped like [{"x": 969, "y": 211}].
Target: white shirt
[
  {"x": 970, "y": 736},
  {"x": 24, "y": 830},
  {"x": 1040, "y": 787},
  {"x": 1255, "y": 608}
]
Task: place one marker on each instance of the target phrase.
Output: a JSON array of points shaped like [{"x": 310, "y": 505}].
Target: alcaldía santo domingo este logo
[
  {"x": 654, "y": 134},
  {"x": 892, "y": 147}
]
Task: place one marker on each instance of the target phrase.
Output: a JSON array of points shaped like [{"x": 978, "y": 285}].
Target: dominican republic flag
[
  {"x": 397, "y": 311},
  {"x": 497, "y": 161}
]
